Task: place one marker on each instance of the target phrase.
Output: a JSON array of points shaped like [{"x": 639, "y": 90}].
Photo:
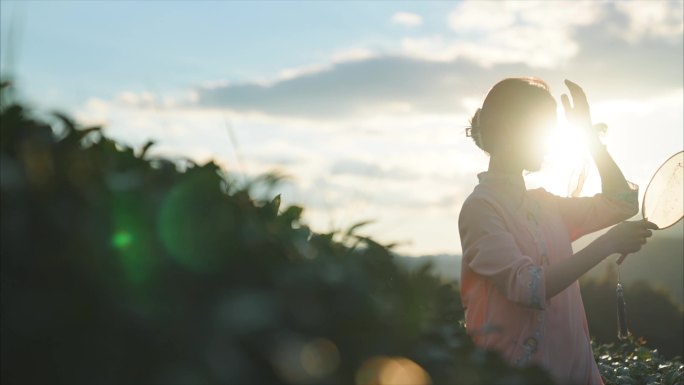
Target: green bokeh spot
[
  {"x": 133, "y": 239},
  {"x": 197, "y": 224},
  {"x": 122, "y": 239}
]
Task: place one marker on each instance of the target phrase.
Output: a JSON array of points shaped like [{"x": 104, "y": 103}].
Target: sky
[{"x": 362, "y": 104}]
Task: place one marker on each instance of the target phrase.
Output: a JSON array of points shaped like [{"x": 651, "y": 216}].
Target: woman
[{"x": 519, "y": 274}]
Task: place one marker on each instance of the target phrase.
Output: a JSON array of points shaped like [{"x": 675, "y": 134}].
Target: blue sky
[
  {"x": 137, "y": 45},
  {"x": 363, "y": 104}
]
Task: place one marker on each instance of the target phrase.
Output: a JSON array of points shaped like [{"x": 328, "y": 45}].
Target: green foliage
[
  {"x": 631, "y": 362},
  {"x": 121, "y": 268}
]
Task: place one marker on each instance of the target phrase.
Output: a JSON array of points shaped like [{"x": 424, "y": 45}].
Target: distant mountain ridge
[
  {"x": 660, "y": 263},
  {"x": 446, "y": 265}
]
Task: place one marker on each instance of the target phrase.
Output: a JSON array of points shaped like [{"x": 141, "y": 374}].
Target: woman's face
[{"x": 531, "y": 144}]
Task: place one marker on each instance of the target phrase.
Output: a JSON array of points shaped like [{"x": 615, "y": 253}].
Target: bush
[{"x": 630, "y": 362}]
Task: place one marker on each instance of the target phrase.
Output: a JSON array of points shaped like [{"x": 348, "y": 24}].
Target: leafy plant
[{"x": 631, "y": 362}]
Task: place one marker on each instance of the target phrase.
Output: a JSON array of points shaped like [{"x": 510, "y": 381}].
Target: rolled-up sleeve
[
  {"x": 490, "y": 250},
  {"x": 584, "y": 215}
]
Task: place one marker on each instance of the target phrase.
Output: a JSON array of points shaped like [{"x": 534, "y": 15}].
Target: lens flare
[
  {"x": 197, "y": 224},
  {"x": 122, "y": 239},
  {"x": 383, "y": 370},
  {"x": 132, "y": 238}
]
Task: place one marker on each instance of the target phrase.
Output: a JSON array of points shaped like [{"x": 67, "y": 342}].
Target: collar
[{"x": 509, "y": 185}]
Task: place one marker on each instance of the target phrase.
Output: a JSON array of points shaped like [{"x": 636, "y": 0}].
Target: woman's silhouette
[{"x": 519, "y": 274}]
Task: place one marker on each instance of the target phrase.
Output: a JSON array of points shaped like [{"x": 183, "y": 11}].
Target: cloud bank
[{"x": 488, "y": 41}]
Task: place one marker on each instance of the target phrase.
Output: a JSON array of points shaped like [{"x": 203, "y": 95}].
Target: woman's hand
[
  {"x": 579, "y": 115},
  {"x": 627, "y": 237}
]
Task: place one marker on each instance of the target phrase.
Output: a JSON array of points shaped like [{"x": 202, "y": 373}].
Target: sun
[{"x": 568, "y": 169}]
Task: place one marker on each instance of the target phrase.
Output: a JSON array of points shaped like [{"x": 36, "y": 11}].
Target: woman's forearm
[
  {"x": 625, "y": 238},
  {"x": 562, "y": 274},
  {"x": 611, "y": 175}
]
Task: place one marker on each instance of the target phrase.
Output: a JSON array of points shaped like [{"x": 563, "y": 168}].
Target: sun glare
[{"x": 567, "y": 169}]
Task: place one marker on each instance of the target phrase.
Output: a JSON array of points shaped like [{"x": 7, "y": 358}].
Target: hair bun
[
  {"x": 474, "y": 131},
  {"x": 475, "y": 121}
]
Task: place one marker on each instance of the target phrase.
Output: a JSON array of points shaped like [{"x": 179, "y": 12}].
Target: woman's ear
[{"x": 507, "y": 134}]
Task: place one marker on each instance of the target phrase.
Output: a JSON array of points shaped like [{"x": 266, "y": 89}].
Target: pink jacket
[{"x": 509, "y": 235}]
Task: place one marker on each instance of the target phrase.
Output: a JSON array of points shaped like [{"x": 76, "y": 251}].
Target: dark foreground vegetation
[
  {"x": 652, "y": 314},
  {"x": 117, "y": 267}
]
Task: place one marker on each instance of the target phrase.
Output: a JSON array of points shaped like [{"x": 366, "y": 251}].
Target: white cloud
[
  {"x": 139, "y": 99},
  {"x": 352, "y": 54},
  {"x": 295, "y": 72},
  {"x": 643, "y": 131},
  {"x": 338, "y": 57},
  {"x": 369, "y": 169},
  {"x": 481, "y": 16},
  {"x": 433, "y": 48},
  {"x": 407, "y": 19},
  {"x": 652, "y": 18},
  {"x": 376, "y": 86},
  {"x": 95, "y": 112},
  {"x": 539, "y": 34},
  {"x": 495, "y": 15},
  {"x": 509, "y": 46},
  {"x": 147, "y": 99},
  {"x": 215, "y": 83}
]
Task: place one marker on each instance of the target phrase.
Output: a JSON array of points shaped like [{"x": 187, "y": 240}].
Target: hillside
[
  {"x": 660, "y": 263},
  {"x": 447, "y": 266}
]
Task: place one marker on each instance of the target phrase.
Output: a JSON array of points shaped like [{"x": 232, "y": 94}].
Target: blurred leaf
[
  {"x": 146, "y": 147},
  {"x": 292, "y": 214}
]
